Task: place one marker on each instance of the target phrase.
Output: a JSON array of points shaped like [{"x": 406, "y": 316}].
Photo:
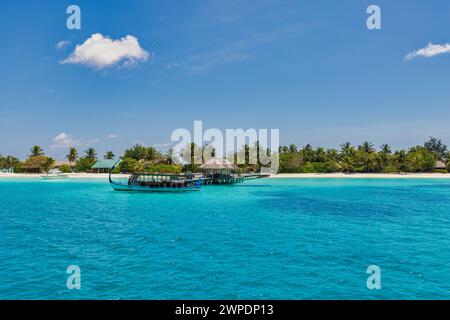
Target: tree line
[
  {"x": 364, "y": 158},
  {"x": 39, "y": 161}
]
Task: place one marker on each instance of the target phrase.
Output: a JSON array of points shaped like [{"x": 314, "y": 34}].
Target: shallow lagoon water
[{"x": 264, "y": 239}]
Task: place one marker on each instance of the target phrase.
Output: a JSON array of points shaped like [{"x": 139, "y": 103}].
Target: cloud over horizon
[
  {"x": 429, "y": 51},
  {"x": 65, "y": 140},
  {"x": 101, "y": 52}
]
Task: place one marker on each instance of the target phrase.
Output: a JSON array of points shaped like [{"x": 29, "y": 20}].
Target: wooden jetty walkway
[{"x": 231, "y": 179}]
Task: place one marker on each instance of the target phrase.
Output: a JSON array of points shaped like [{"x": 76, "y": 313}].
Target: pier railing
[{"x": 231, "y": 178}]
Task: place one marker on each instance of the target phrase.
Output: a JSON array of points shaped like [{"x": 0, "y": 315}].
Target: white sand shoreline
[
  {"x": 363, "y": 175},
  {"x": 71, "y": 175},
  {"x": 278, "y": 176}
]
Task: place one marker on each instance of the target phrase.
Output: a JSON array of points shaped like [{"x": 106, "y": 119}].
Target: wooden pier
[
  {"x": 231, "y": 179},
  {"x": 222, "y": 171}
]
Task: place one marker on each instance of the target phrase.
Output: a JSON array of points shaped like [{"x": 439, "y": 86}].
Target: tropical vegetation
[
  {"x": 365, "y": 158},
  {"x": 432, "y": 156}
]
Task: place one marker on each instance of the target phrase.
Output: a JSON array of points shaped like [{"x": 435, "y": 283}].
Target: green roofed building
[{"x": 103, "y": 166}]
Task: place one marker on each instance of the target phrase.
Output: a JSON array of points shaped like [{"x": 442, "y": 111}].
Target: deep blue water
[{"x": 265, "y": 239}]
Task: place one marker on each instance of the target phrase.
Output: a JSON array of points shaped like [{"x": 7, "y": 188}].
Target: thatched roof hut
[
  {"x": 218, "y": 164},
  {"x": 440, "y": 165},
  {"x": 34, "y": 164}
]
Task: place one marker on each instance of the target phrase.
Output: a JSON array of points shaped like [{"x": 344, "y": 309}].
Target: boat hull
[
  {"x": 136, "y": 188},
  {"x": 153, "y": 186}
]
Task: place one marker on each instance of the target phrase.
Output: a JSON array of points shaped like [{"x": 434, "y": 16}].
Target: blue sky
[{"x": 309, "y": 68}]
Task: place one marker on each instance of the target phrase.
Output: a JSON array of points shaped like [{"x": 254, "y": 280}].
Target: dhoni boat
[{"x": 157, "y": 182}]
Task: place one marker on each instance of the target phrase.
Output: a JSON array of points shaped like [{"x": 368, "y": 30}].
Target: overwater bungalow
[
  {"x": 222, "y": 171},
  {"x": 219, "y": 171}
]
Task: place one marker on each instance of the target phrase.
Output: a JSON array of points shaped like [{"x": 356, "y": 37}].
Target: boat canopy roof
[{"x": 163, "y": 174}]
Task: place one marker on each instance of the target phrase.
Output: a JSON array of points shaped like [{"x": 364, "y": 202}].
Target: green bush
[
  {"x": 390, "y": 169},
  {"x": 131, "y": 165},
  {"x": 308, "y": 167},
  {"x": 116, "y": 170},
  {"x": 84, "y": 164},
  {"x": 331, "y": 167},
  {"x": 65, "y": 168}
]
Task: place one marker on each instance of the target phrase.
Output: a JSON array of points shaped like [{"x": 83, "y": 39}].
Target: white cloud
[
  {"x": 101, "y": 52},
  {"x": 91, "y": 142},
  {"x": 112, "y": 136},
  {"x": 429, "y": 51},
  {"x": 65, "y": 140},
  {"x": 63, "y": 44}
]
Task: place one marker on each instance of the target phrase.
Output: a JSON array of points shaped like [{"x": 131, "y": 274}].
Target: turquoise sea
[{"x": 264, "y": 239}]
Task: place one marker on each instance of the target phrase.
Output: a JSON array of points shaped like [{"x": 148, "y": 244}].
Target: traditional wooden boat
[{"x": 157, "y": 182}]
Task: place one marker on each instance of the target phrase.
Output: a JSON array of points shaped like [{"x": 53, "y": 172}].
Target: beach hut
[
  {"x": 34, "y": 164},
  {"x": 440, "y": 165},
  {"x": 216, "y": 165},
  {"x": 103, "y": 166},
  {"x": 219, "y": 170}
]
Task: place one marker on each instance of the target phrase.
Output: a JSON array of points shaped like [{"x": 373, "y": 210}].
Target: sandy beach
[
  {"x": 364, "y": 175},
  {"x": 277, "y": 176},
  {"x": 71, "y": 175}
]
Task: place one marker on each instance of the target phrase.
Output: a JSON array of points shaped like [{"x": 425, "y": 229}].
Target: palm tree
[
  {"x": 320, "y": 155},
  {"x": 36, "y": 151},
  {"x": 346, "y": 156},
  {"x": 48, "y": 164},
  {"x": 332, "y": 155},
  {"x": 386, "y": 149},
  {"x": 347, "y": 150},
  {"x": 284, "y": 149},
  {"x": 109, "y": 155},
  {"x": 385, "y": 156},
  {"x": 208, "y": 152},
  {"x": 72, "y": 156},
  {"x": 91, "y": 153},
  {"x": 415, "y": 161},
  {"x": 152, "y": 154},
  {"x": 437, "y": 147},
  {"x": 308, "y": 153},
  {"x": 367, "y": 147},
  {"x": 346, "y": 164}
]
